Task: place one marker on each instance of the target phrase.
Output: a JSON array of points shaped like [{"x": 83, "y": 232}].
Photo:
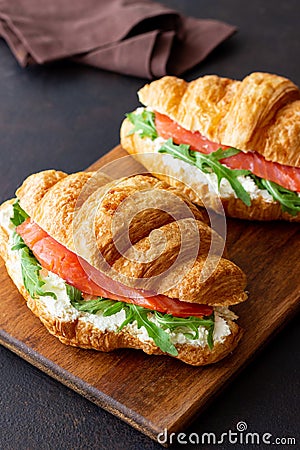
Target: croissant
[
  {"x": 127, "y": 263},
  {"x": 217, "y": 138}
]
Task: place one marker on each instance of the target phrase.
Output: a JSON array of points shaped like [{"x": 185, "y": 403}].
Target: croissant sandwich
[
  {"x": 220, "y": 138},
  {"x": 109, "y": 264}
]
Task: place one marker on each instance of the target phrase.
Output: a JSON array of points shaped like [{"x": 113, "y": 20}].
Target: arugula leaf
[
  {"x": 18, "y": 242},
  {"x": 289, "y": 200},
  {"x": 113, "y": 309},
  {"x": 144, "y": 124},
  {"x": 187, "y": 324},
  {"x": 31, "y": 268},
  {"x": 210, "y": 163},
  {"x": 160, "y": 337},
  {"x": 108, "y": 307},
  {"x": 73, "y": 293},
  {"x": 19, "y": 215},
  {"x": 130, "y": 317},
  {"x": 210, "y": 336}
]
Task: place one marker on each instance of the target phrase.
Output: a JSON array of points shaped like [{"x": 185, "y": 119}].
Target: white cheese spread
[{"x": 193, "y": 176}]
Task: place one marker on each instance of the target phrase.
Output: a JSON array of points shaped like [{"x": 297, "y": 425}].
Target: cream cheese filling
[{"x": 62, "y": 309}]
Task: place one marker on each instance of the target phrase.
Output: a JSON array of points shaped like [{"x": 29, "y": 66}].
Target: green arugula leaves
[
  {"x": 160, "y": 337},
  {"x": 210, "y": 163},
  {"x": 108, "y": 307},
  {"x": 144, "y": 125},
  {"x": 289, "y": 200},
  {"x": 18, "y": 242},
  {"x": 30, "y": 266},
  {"x": 31, "y": 274},
  {"x": 188, "y": 326},
  {"x": 19, "y": 215}
]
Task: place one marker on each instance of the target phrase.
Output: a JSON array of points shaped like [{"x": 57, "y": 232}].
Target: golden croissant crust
[
  {"x": 259, "y": 113},
  {"x": 80, "y": 210}
]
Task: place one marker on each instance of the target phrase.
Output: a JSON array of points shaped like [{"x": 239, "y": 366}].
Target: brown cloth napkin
[{"x": 134, "y": 37}]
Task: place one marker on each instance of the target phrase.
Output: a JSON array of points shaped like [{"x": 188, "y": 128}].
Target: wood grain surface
[{"x": 152, "y": 393}]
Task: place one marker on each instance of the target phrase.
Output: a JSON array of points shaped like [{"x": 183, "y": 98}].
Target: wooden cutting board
[{"x": 152, "y": 393}]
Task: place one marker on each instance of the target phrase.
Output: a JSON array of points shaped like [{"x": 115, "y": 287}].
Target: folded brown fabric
[{"x": 134, "y": 37}]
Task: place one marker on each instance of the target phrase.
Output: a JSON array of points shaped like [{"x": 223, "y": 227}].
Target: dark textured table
[{"x": 66, "y": 116}]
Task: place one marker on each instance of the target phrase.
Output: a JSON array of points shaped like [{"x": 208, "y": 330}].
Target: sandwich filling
[
  {"x": 52, "y": 274},
  {"x": 239, "y": 170}
]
